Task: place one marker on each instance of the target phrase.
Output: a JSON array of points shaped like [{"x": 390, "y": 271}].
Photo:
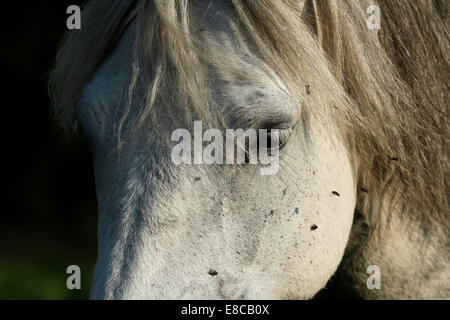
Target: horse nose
[{"x": 232, "y": 288}]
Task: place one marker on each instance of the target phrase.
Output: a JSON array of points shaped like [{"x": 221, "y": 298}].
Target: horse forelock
[{"x": 386, "y": 89}]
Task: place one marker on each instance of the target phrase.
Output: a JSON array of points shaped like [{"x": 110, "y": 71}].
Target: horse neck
[{"x": 412, "y": 257}]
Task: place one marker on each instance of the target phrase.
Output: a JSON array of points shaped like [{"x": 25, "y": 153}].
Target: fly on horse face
[{"x": 362, "y": 117}]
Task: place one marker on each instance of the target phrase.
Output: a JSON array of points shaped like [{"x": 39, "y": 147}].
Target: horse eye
[{"x": 273, "y": 135}]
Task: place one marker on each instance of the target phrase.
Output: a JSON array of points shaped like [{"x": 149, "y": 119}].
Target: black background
[{"x": 48, "y": 204}]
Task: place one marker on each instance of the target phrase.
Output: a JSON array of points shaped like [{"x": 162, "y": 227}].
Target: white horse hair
[{"x": 363, "y": 177}]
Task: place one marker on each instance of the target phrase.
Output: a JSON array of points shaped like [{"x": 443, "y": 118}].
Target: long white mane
[{"x": 387, "y": 88}]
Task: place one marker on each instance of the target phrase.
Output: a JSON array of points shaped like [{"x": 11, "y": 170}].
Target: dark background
[{"x": 48, "y": 204}]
